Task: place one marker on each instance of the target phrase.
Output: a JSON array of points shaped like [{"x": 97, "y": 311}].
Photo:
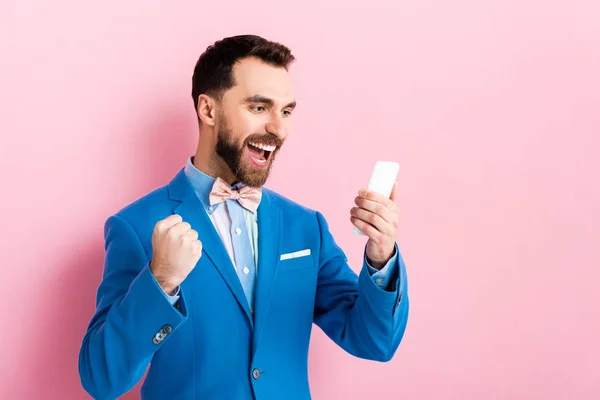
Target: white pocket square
[{"x": 295, "y": 254}]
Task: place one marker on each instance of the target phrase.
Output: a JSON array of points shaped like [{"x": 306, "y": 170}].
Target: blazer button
[
  {"x": 167, "y": 329},
  {"x": 256, "y": 373},
  {"x": 158, "y": 338}
]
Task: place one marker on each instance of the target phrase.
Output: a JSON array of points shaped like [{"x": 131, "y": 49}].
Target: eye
[
  {"x": 287, "y": 113},
  {"x": 257, "y": 108}
]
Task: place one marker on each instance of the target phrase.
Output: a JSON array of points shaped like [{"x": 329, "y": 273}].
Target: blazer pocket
[{"x": 296, "y": 260}]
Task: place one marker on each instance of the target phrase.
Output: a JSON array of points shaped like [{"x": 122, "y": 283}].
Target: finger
[
  {"x": 367, "y": 228},
  {"x": 179, "y": 229},
  {"x": 197, "y": 247},
  {"x": 172, "y": 220},
  {"x": 191, "y": 234},
  {"x": 372, "y": 219},
  {"x": 376, "y": 197},
  {"x": 380, "y": 209},
  {"x": 393, "y": 194},
  {"x": 167, "y": 223}
]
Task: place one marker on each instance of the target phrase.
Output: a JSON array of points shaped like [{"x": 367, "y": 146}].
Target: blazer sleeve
[
  {"x": 356, "y": 313},
  {"x": 132, "y": 320}
]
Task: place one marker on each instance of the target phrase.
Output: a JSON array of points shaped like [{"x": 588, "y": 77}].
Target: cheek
[
  {"x": 244, "y": 125},
  {"x": 253, "y": 125}
]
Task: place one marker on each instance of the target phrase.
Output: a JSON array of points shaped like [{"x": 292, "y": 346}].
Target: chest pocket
[{"x": 297, "y": 260}]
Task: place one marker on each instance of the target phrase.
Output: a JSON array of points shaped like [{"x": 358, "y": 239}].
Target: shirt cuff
[
  {"x": 386, "y": 277},
  {"x": 174, "y": 297}
]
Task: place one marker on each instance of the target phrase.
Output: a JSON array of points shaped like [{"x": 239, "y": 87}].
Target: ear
[{"x": 206, "y": 110}]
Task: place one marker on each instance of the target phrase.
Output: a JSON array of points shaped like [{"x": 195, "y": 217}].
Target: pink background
[{"x": 492, "y": 109}]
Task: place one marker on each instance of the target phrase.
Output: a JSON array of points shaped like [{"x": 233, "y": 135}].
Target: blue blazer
[{"x": 209, "y": 345}]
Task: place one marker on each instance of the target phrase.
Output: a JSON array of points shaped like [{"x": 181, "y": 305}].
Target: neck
[{"x": 207, "y": 160}]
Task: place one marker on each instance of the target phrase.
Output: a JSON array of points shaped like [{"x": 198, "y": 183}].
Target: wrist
[
  {"x": 376, "y": 264},
  {"x": 169, "y": 290},
  {"x": 165, "y": 284},
  {"x": 379, "y": 264}
]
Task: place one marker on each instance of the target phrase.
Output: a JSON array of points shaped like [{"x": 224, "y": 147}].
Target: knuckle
[
  {"x": 372, "y": 207},
  {"x": 197, "y": 247}
]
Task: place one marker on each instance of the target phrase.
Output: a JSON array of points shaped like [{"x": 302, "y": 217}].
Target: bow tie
[{"x": 247, "y": 196}]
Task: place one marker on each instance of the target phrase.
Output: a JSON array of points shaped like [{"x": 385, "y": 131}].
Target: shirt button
[
  {"x": 238, "y": 231},
  {"x": 256, "y": 373},
  {"x": 246, "y": 270}
]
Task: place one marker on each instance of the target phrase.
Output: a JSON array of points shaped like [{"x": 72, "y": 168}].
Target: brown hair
[{"x": 213, "y": 73}]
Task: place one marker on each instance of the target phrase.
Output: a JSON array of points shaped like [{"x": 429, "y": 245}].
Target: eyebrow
[{"x": 265, "y": 100}]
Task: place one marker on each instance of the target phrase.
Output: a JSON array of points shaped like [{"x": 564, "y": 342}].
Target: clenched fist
[{"x": 175, "y": 252}]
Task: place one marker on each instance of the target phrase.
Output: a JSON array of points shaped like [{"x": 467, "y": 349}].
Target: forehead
[{"x": 255, "y": 77}]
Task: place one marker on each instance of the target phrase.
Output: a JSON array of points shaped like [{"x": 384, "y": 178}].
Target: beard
[{"x": 232, "y": 154}]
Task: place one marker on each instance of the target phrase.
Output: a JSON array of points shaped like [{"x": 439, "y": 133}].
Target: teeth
[{"x": 263, "y": 146}]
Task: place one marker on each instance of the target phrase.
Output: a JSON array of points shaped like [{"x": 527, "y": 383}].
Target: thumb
[{"x": 393, "y": 194}]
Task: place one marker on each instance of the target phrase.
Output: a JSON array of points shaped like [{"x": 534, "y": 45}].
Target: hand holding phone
[{"x": 382, "y": 181}]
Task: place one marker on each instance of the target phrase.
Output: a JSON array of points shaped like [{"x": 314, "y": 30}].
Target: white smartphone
[{"x": 382, "y": 181}]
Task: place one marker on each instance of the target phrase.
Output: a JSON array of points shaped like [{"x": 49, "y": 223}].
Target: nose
[{"x": 277, "y": 127}]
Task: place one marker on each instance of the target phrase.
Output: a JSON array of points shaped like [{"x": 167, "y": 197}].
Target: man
[{"x": 213, "y": 281}]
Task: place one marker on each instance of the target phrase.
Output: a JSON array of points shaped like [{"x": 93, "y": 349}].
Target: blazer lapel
[
  {"x": 192, "y": 211},
  {"x": 269, "y": 235}
]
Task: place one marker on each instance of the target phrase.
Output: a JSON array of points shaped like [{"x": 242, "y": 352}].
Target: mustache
[{"x": 265, "y": 139}]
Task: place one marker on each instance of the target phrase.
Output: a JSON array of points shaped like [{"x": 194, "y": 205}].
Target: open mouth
[{"x": 260, "y": 153}]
